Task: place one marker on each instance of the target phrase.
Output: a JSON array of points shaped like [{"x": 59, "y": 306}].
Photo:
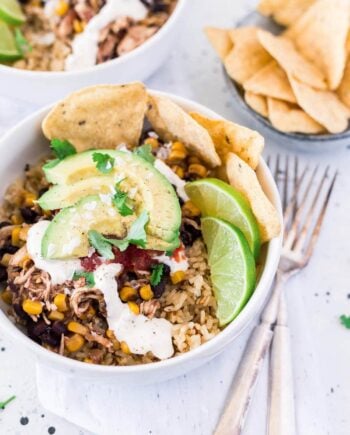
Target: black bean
[
  {"x": 37, "y": 328},
  {"x": 29, "y": 215},
  {"x": 3, "y": 274},
  {"x": 42, "y": 191},
  {"x": 189, "y": 234},
  {"x": 8, "y": 249},
  {"x": 5, "y": 224},
  {"x": 20, "y": 312},
  {"x": 50, "y": 338},
  {"x": 158, "y": 289},
  {"x": 59, "y": 328}
]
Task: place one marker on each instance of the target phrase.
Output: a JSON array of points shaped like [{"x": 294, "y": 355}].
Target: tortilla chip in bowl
[{"x": 29, "y": 143}]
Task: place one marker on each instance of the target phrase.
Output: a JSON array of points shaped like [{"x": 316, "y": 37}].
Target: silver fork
[{"x": 302, "y": 224}]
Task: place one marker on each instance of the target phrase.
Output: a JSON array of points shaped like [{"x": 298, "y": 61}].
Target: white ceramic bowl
[
  {"x": 25, "y": 143},
  {"x": 43, "y": 87}
]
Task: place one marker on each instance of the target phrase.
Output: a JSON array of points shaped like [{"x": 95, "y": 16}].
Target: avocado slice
[
  {"x": 67, "y": 234},
  {"x": 77, "y": 176}
]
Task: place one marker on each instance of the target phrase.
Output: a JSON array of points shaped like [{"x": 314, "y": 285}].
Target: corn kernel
[
  {"x": 125, "y": 348},
  {"x": 176, "y": 156},
  {"x": 15, "y": 241},
  {"x": 5, "y": 261},
  {"x": 88, "y": 360},
  {"x": 60, "y": 302},
  {"x": 29, "y": 199},
  {"x": 62, "y": 8},
  {"x": 78, "y": 26},
  {"x": 78, "y": 328},
  {"x": 6, "y": 296},
  {"x": 128, "y": 294},
  {"x": 23, "y": 263},
  {"x": 189, "y": 209},
  {"x": 16, "y": 219},
  {"x": 179, "y": 171},
  {"x": 198, "y": 170},
  {"x": 116, "y": 344},
  {"x": 23, "y": 233},
  {"x": 34, "y": 308},
  {"x": 55, "y": 315},
  {"x": 146, "y": 292},
  {"x": 134, "y": 307},
  {"x": 74, "y": 343},
  {"x": 110, "y": 333},
  {"x": 153, "y": 142},
  {"x": 177, "y": 277},
  {"x": 193, "y": 159},
  {"x": 179, "y": 146}
]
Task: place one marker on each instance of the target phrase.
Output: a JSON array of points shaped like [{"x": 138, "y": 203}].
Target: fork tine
[
  {"x": 268, "y": 161},
  {"x": 285, "y": 186},
  {"x": 290, "y": 237},
  {"x": 277, "y": 172},
  {"x": 317, "y": 228},
  {"x": 296, "y": 171},
  {"x": 301, "y": 237}
]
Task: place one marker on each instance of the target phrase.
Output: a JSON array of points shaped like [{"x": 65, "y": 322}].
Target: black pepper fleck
[
  {"x": 24, "y": 420},
  {"x": 3, "y": 349},
  {"x": 332, "y": 390},
  {"x": 51, "y": 430},
  {"x": 348, "y": 295},
  {"x": 316, "y": 294},
  {"x": 42, "y": 415},
  {"x": 327, "y": 293}
]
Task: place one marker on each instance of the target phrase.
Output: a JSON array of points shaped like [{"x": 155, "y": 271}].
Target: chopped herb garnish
[
  {"x": 136, "y": 236},
  {"x": 22, "y": 43},
  {"x": 61, "y": 149},
  {"x": 145, "y": 152},
  {"x": 6, "y": 402},
  {"x": 345, "y": 321},
  {"x": 157, "y": 274},
  {"x": 104, "y": 162},
  {"x": 89, "y": 277},
  {"x": 120, "y": 201}
]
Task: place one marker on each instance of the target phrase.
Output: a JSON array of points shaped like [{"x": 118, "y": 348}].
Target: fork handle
[
  {"x": 281, "y": 419},
  {"x": 242, "y": 388}
]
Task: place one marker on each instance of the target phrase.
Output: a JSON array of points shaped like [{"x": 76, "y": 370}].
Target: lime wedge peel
[
  {"x": 232, "y": 267},
  {"x": 218, "y": 199},
  {"x": 8, "y": 48},
  {"x": 11, "y": 12}
]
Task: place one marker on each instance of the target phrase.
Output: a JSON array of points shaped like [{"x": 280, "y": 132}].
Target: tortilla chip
[
  {"x": 220, "y": 40},
  {"x": 256, "y": 102},
  {"x": 230, "y": 137},
  {"x": 271, "y": 81},
  {"x": 295, "y": 65},
  {"x": 291, "y": 119},
  {"x": 344, "y": 89},
  {"x": 323, "y": 106},
  {"x": 320, "y": 36},
  {"x": 284, "y": 12},
  {"x": 244, "y": 179},
  {"x": 171, "y": 122},
  {"x": 247, "y": 55},
  {"x": 101, "y": 116}
]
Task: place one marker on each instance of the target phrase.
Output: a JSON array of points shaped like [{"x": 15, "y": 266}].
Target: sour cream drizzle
[
  {"x": 59, "y": 270},
  {"x": 85, "y": 45},
  {"x": 141, "y": 334}
]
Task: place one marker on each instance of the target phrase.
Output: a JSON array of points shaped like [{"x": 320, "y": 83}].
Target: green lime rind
[
  {"x": 11, "y": 12},
  {"x": 232, "y": 267},
  {"x": 8, "y": 48},
  {"x": 218, "y": 199}
]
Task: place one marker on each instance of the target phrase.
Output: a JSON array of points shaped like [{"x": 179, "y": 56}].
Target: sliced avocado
[
  {"x": 67, "y": 234},
  {"x": 77, "y": 176}
]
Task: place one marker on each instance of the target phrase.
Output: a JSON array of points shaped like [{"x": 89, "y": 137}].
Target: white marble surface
[{"x": 191, "y": 404}]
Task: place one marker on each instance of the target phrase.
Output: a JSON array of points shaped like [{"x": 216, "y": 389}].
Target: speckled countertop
[{"x": 321, "y": 347}]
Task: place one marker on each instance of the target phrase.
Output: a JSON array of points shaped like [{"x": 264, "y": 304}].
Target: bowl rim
[
  {"x": 233, "y": 329},
  {"x": 237, "y": 88},
  {"x": 148, "y": 44}
]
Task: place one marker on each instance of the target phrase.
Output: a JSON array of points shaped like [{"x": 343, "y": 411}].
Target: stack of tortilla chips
[{"x": 300, "y": 79}]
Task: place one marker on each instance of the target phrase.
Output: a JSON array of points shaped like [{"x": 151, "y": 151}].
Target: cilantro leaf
[
  {"x": 137, "y": 233},
  {"x": 89, "y": 277},
  {"x": 119, "y": 200},
  {"x": 157, "y": 274},
  {"x": 101, "y": 244},
  {"x": 345, "y": 321},
  {"x": 62, "y": 148},
  {"x": 145, "y": 152},
  {"x": 22, "y": 44},
  {"x": 6, "y": 402},
  {"x": 104, "y": 162}
]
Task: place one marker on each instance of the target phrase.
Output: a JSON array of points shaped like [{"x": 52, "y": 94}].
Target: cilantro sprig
[
  {"x": 157, "y": 273},
  {"x": 104, "y": 162},
  {"x": 6, "y": 402},
  {"x": 136, "y": 236},
  {"x": 345, "y": 321},
  {"x": 145, "y": 152},
  {"x": 120, "y": 201},
  {"x": 22, "y": 43},
  {"x": 61, "y": 150},
  {"x": 89, "y": 278}
]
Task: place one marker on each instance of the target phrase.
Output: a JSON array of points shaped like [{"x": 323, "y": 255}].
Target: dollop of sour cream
[
  {"x": 85, "y": 45},
  {"x": 59, "y": 270},
  {"x": 141, "y": 334},
  {"x": 174, "y": 179},
  {"x": 180, "y": 263}
]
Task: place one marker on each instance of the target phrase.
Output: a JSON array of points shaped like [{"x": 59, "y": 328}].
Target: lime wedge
[
  {"x": 11, "y": 12},
  {"x": 232, "y": 267},
  {"x": 218, "y": 199},
  {"x": 8, "y": 49}
]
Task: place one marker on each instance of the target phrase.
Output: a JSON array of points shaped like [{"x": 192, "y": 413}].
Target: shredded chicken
[
  {"x": 81, "y": 299},
  {"x": 149, "y": 308},
  {"x": 103, "y": 341}
]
